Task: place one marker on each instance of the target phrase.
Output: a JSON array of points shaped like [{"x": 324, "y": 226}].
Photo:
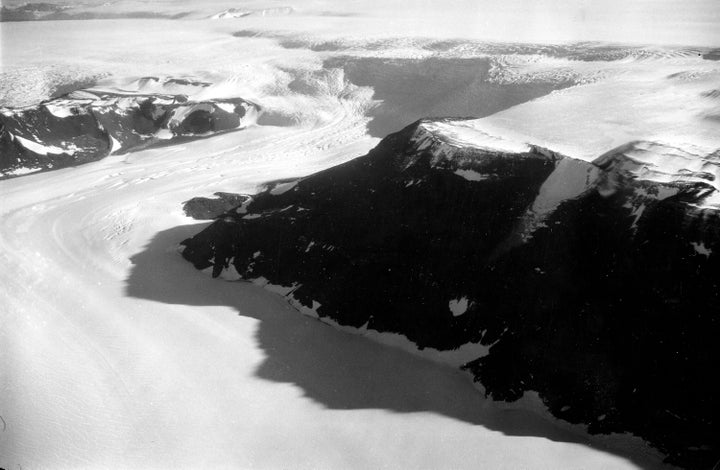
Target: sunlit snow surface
[{"x": 92, "y": 377}]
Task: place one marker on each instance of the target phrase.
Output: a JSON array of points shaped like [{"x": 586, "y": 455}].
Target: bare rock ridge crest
[
  {"x": 594, "y": 284},
  {"x": 90, "y": 124}
]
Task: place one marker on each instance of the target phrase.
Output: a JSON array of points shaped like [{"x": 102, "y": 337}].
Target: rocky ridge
[
  {"x": 594, "y": 284},
  {"x": 89, "y": 124}
]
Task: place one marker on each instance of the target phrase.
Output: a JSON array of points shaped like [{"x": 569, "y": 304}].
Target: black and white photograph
[{"x": 360, "y": 234}]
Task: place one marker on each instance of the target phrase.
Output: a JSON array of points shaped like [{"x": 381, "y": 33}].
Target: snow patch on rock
[
  {"x": 38, "y": 148},
  {"x": 471, "y": 175},
  {"x": 282, "y": 188},
  {"x": 570, "y": 179},
  {"x": 701, "y": 249},
  {"x": 458, "y": 306}
]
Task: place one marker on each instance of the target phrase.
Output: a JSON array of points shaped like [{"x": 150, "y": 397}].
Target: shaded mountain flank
[
  {"x": 87, "y": 125},
  {"x": 594, "y": 284}
]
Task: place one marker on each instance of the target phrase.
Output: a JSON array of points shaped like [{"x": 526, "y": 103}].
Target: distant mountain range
[{"x": 89, "y": 124}]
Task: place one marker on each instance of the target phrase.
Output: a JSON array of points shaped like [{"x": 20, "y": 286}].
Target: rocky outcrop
[
  {"x": 594, "y": 284},
  {"x": 208, "y": 208},
  {"x": 56, "y": 11},
  {"x": 87, "y": 125}
]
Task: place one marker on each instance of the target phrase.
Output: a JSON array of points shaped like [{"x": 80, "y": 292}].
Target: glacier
[{"x": 120, "y": 354}]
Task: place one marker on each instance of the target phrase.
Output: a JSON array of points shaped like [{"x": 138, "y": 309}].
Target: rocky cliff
[
  {"x": 594, "y": 284},
  {"x": 87, "y": 125}
]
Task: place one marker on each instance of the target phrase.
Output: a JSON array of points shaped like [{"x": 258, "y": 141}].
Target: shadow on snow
[{"x": 340, "y": 370}]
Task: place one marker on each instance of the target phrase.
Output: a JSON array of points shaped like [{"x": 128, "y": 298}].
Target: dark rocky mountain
[
  {"x": 208, "y": 208},
  {"x": 595, "y": 284},
  {"x": 87, "y": 125}
]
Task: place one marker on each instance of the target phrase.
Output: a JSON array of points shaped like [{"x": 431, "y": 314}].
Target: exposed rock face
[
  {"x": 45, "y": 11},
  {"x": 206, "y": 208},
  {"x": 31, "y": 11},
  {"x": 595, "y": 284},
  {"x": 88, "y": 125},
  {"x": 713, "y": 54}
]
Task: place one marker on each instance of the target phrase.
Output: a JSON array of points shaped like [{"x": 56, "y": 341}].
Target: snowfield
[{"x": 116, "y": 353}]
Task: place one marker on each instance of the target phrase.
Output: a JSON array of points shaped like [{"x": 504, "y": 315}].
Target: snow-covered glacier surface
[{"x": 117, "y": 353}]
